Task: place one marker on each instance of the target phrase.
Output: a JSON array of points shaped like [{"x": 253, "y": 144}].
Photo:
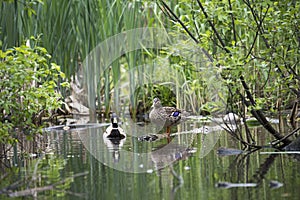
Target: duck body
[
  {"x": 166, "y": 116},
  {"x": 114, "y": 131}
]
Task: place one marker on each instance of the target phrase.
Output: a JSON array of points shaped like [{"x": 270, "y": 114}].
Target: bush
[{"x": 27, "y": 90}]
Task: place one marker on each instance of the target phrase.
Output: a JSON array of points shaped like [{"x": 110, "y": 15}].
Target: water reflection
[
  {"x": 114, "y": 145},
  {"x": 186, "y": 168},
  {"x": 167, "y": 154},
  {"x": 131, "y": 155}
]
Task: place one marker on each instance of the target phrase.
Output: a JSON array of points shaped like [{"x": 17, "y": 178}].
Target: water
[{"x": 79, "y": 164}]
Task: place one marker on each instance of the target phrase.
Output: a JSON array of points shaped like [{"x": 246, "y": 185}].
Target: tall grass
[{"x": 70, "y": 30}]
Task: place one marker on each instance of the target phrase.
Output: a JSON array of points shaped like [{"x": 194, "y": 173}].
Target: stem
[{"x": 213, "y": 28}]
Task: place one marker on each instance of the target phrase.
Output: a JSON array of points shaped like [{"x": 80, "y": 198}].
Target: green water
[{"x": 80, "y": 165}]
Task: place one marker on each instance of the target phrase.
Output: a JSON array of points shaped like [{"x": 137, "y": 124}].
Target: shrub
[{"x": 27, "y": 90}]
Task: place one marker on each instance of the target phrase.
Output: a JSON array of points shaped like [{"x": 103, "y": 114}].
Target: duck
[
  {"x": 166, "y": 116},
  {"x": 114, "y": 131}
]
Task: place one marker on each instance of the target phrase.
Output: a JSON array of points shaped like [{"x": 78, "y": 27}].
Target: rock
[{"x": 231, "y": 118}]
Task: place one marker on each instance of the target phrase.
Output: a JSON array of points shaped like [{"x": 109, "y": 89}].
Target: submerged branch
[{"x": 33, "y": 191}]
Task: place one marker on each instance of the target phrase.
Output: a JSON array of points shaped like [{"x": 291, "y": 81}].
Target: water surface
[{"x": 80, "y": 164}]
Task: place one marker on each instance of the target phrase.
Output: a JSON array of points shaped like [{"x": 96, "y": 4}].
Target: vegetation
[
  {"x": 77, "y": 27},
  {"x": 255, "y": 46},
  {"x": 235, "y": 56},
  {"x": 27, "y": 90}
]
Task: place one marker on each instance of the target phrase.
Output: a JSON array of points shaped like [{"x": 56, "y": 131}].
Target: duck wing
[{"x": 174, "y": 116}]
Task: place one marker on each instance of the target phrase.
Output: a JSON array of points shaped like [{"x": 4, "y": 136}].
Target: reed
[{"x": 70, "y": 30}]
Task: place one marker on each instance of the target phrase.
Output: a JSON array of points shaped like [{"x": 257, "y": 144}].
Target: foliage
[
  {"x": 256, "y": 47},
  {"x": 72, "y": 29},
  {"x": 27, "y": 89},
  {"x": 255, "y": 40},
  {"x": 258, "y": 41}
]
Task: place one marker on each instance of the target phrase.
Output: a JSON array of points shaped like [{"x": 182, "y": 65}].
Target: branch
[
  {"x": 287, "y": 136},
  {"x": 213, "y": 28},
  {"x": 179, "y": 21},
  {"x": 171, "y": 13},
  {"x": 261, "y": 31},
  {"x": 257, "y": 32},
  {"x": 259, "y": 115},
  {"x": 232, "y": 22},
  {"x": 256, "y": 113}
]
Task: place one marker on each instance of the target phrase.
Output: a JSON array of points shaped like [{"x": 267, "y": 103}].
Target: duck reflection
[
  {"x": 170, "y": 153},
  {"x": 164, "y": 159},
  {"x": 114, "y": 145}
]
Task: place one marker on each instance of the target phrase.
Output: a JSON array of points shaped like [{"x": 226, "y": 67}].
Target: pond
[{"x": 79, "y": 164}]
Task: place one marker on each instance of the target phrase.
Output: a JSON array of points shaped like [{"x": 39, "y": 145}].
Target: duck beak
[{"x": 115, "y": 120}]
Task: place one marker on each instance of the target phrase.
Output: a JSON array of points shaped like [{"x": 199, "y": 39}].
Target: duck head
[
  {"x": 114, "y": 120},
  {"x": 156, "y": 103}
]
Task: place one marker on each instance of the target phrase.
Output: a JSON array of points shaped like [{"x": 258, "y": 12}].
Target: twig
[
  {"x": 232, "y": 22},
  {"x": 174, "y": 16},
  {"x": 213, "y": 27},
  {"x": 194, "y": 21},
  {"x": 285, "y": 137},
  {"x": 257, "y": 32},
  {"x": 179, "y": 21},
  {"x": 257, "y": 23}
]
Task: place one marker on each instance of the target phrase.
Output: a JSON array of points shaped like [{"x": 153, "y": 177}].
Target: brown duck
[{"x": 166, "y": 116}]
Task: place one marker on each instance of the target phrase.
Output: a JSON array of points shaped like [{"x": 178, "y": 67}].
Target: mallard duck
[
  {"x": 166, "y": 116},
  {"x": 114, "y": 131},
  {"x": 114, "y": 145}
]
